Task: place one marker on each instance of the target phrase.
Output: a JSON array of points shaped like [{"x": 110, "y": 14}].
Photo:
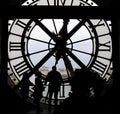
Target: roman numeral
[
  {"x": 104, "y": 46},
  {"x": 107, "y": 76},
  {"x": 21, "y": 68},
  {"x": 22, "y": 24},
  {"x": 99, "y": 24},
  {"x": 82, "y": 3},
  {"x": 48, "y": 2},
  {"x": 15, "y": 46},
  {"x": 84, "y": 0},
  {"x": 58, "y": 2},
  {"x": 99, "y": 67}
]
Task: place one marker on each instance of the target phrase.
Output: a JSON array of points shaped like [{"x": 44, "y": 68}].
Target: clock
[{"x": 39, "y": 44}]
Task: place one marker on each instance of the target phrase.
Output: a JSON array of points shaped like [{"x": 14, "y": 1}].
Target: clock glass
[{"x": 30, "y": 42}]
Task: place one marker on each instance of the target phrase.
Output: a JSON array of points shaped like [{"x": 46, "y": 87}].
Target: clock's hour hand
[
  {"x": 45, "y": 29},
  {"x": 80, "y": 63},
  {"x": 68, "y": 65}
]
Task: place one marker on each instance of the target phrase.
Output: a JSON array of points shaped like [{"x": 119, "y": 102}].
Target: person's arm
[{"x": 61, "y": 80}]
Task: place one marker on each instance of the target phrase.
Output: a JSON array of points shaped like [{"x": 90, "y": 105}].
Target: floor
[
  {"x": 9, "y": 104},
  {"x": 16, "y": 107},
  {"x": 28, "y": 109}
]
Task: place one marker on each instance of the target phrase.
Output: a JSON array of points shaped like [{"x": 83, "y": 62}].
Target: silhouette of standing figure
[
  {"x": 24, "y": 86},
  {"x": 78, "y": 100},
  {"x": 98, "y": 84},
  {"x": 80, "y": 83},
  {"x": 54, "y": 78},
  {"x": 38, "y": 91}
]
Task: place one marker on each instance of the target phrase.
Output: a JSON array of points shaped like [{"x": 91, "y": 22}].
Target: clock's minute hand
[
  {"x": 78, "y": 61},
  {"x": 63, "y": 32}
]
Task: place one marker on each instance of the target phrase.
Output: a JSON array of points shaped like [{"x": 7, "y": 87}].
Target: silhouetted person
[
  {"x": 98, "y": 84},
  {"x": 78, "y": 100},
  {"x": 80, "y": 83},
  {"x": 54, "y": 78},
  {"x": 38, "y": 91},
  {"x": 24, "y": 86}
]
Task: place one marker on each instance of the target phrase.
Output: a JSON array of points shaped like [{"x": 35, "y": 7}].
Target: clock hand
[
  {"x": 45, "y": 29},
  {"x": 65, "y": 35},
  {"x": 63, "y": 32},
  {"x": 68, "y": 65},
  {"x": 61, "y": 40},
  {"x": 80, "y": 63},
  {"x": 55, "y": 26}
]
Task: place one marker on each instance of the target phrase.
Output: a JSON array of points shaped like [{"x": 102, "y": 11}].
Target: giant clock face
[{"x": 34, "y": 44}]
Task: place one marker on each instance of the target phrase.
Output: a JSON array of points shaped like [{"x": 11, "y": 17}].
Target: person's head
[{"x": 54, "y": 68}]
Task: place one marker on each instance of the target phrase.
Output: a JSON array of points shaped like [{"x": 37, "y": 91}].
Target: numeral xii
[{"x": 57, "y": 2}]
